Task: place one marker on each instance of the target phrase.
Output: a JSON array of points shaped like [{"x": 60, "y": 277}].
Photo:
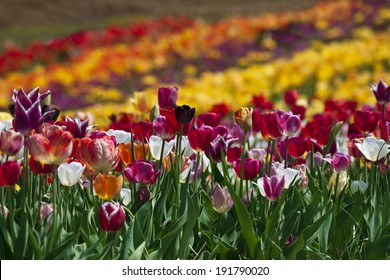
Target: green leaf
[
  {"x": 166, "y": 240},
  {"x": 188, "y": 228},
  {"x": 245, "y": 222},
  {"x": 378, "y": 249},
  {"x": 21, "y": 242},
  {"x": 5, "y": 248},
  {"x": 333, "y": 133},
  {"x": 34, "y": 239},
  {"x": 137, "y": 254},
  {"x": 125, "y": 246},
  {"x": 58, "y": 251},
  {"x": 293, "y": 249}
]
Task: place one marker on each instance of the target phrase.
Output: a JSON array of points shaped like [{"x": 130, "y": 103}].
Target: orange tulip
[
  {"x": 53, "y": 146},
  {"x": 125, "y": 152},
  {"x": 108, "y": 186}
]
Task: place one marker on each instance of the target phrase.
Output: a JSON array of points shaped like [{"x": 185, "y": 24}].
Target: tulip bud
[
  {"x": 45, "y": 211},
  {"x": 112, "y": 216},
  {"x": 9, "y": 173},
  {"x": 167, "y": 97},
  {"x": 221, "y": 199},
  {"x": 11, "y": 142},
  {"x": 154, "y": 113},
  {"x": 244, "y": 117},
  {"x": 6, "y": 211}
]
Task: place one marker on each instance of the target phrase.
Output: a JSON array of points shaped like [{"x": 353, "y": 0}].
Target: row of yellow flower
[
  {"x": 336, "y": 70},
  {"x": 156, "y": 53}
]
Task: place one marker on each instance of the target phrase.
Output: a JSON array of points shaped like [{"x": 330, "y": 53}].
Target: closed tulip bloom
[
  {"x": 9, "y": 173},
  {"x": 373, "y": 149},
  {"x": 221, "y": 199},
  {"x": 267, "y": 124},
  {"x": 45, "y": 211},
  {"x": 366, "y": 121},
  {"x": 184, "y": 114},
  {"x": 53, "y": 146},
  {"x": 167, "y": 97},
  {"x": 126, "y": 152},
  {"x": 381, "y": 92},
  {"x": 162, "y": 128},
  {"x": 141, "y": 172},
  {"x": 288, "y": 123},
  {"x": 28, "y": 112},
  {"x": 11, "y": 142},
  {"x": 244, "y": 117},
  {"x": 108, "y": 186},
  {"x": 297, "y": 146},
  {"x": 210, "y": 119},
  {"x": 6, "y": 211},
  {"x": 340, "y": 162},
  {"x": 353, "y": 149},
  {"x": 111, "y": 216},
  {"x": 200, "y": 138},
  {"x": 98, "y": 154},
  {"x": 271, "y": 188},
  {"x": 251, "y": 168},
  {"x": 70, "y": 173},
  {"x": 156, "y": 145}
]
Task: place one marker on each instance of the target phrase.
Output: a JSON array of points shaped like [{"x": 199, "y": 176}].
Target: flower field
[{"x": 249, "y": 138}]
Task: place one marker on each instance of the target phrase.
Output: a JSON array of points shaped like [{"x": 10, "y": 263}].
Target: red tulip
[
  {"x": 221, "y": 109},
  {"x": 251, "y": 168},
  {"x": 267, "y": 124},
  {"x": 9, "y": 173},
  {"x": 291, "y": 96},
  {"x": 210, "y": 119},
  {"x": 297, "y": 146},
  {"x": 167, "y": 97},
  {"x": 200, "y": 138},
  {"x": 142, "y": 130},
  {"x": 141, "y": 171},
  {"x": 53, "y": 146},
  {"x": 112, "y": 216},
  {"x": 38, "y": 167},
  {"x": 366, "y": 121},
  {"x": 261, "y": 103}
]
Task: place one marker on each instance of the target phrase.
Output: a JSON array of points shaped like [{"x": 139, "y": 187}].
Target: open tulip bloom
[{"x": 373, "y": 149}]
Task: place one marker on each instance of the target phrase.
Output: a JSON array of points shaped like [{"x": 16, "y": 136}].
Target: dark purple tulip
[
  {"x": 216, "y": 147},
  {"x": 141, "y": 171},
  {"x": 144, "y": 195},
  {"x": 167, "y": 97},
  {"x": 28, "y": 111},
  {"x": 381, "y": 92},
  {"x": 184, "y": 114}
]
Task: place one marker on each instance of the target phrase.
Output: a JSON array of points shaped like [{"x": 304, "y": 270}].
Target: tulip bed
[{"x": 265, "y": 162}]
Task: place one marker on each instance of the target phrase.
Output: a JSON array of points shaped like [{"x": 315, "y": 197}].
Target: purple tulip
[
  {"x": 112, "y": 216},
  {"x": 340, "y": 162},
  {"x": 11, "y": 142},
  {"x": 221, "y": 199},
  {"x": 381, "y": 92},
  {"x": 288, "y": 123},
  {"x": 167, "y": 97},
  {"x": 184, "y": 114},
  {"x": 272, "y": 187},
  {"x": 28, "y": 111},
  {"x": 162, "y": 128},
  {"x": 141, "y": 171}
]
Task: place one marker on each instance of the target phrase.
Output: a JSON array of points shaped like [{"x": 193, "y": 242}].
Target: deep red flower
[
  {"x": 142, "y": 130},
  {"x": 200, "y": 138},
  {"x": 233, "y": 154},
  {"x": 251, "y": 168},
  {"x": 210, "y": 119},
  {"x": 297, "y": 146},
  {"x": 322, "y": 134},
  {"x": 291, "y": 96},
  {"x": 167, "y": 97},
  {"x": 366, "y": 121},
  {"x": 262, "y": 103},
  {"x": 298, "y": 110},
  {"x": 384, "y": 126},
  {"x": 124, "y": 122},
  {"x": 9, "y": 173},
  {"x": 111, "y": 216},
  {"x": 141, "y": 171},
  {"x": 266, "y": 123},
  {"x": 173, "y": 123},
  {"x": 221, "y": 109},
  {"x": 39, "y": 168}
]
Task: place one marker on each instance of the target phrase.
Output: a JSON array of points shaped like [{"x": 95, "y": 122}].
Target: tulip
[
  {"x": 126, "y": 152},
  {"x": 77, "y": 127},
  {"x": 381, "y": 92},
  {"x": 251, "y": 168},
  {"x": 184, "y": 114},
  {"x": 200, "y": 138},
  {"x": 142, "y": 130},
  {"x": 126, "y": 196},
  {"x": 38, "y": 167},
  {"x": 217, "y": 148},
  {"x": 384, "y": 126},
  {"x": 243, "y": 117},
  {"x": 234, "y": 153},
  {"x": 340, "y": 162},
  {"x": 98, "y": 154},
  {"x": 174, "y": 124},
  {"x": 45, "y": 211},
  {"x": 271, "y": 187},
  {"x": 141, "y": 172},
  {"x": 6, "y": 211},
  {"x": 111, "y": 216},
  {"x": 11, "y": 142},
  {"x": 70, "y": 173},
  {"x": 297, "y": 146},
  {"x": 53, "y": 146},
  {"x": 121, "y": 136},
  {"x": 291, "y": 96},
  {"x": 210, "y": 119},
  {"x": 358, "y": 186},
  {"x": 366, "y": 121},
  {"x": 28, "y": 113},
  {"x": 162, "y": 128},
  {"x": 167, "y": 97},
  {"x": 9, "y": 173},
  {"x": 221, "y": 199},
  {"x": 338, "y": 181},
  {"x": 144, "y": 195},
  {"x": 221, "y": 109},
  {"x": 261, "y": 102},
  {"x": 185, "y": 147},
  {"x": 108, "y": 186},
  {"x": 291, "y": 176},
  {"x": 267, "y": 124},
  {"x": 373, "y": 149},
  {"x": 288, "y": 123},
  {"x": 353, "y": 149},
  {"x": 156, "y": 146}
]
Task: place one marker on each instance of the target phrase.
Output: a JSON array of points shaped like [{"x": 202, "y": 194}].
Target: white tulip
[
  {"x": 291, "y": 176},
  {"x": 70, "y": 173},
  {"x": 120, "y": 136},
  {"x": 373, "y": 149},
  {"x": 155, "y": 146},
  {"x": 126, "y": 196}
]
